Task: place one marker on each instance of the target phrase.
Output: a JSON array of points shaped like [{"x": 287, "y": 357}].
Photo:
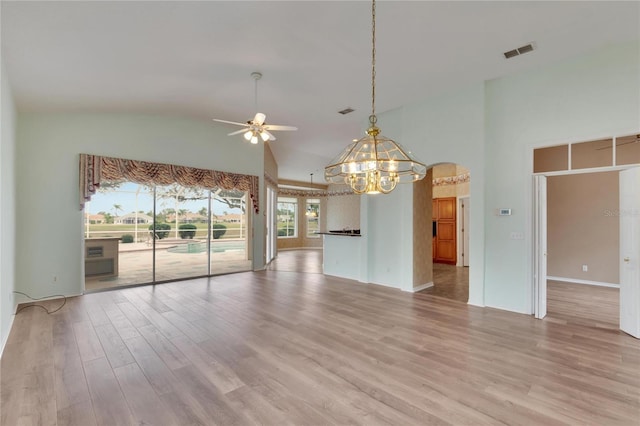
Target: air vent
[
  {"x": 525, "y": 49},
  {"x": 511, "y": 53},
  {"x": 519, "y": 51},
  {"x": 346, "y": 111}
]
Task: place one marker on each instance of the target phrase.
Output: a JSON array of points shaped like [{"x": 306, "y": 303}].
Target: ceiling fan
[
  {"x": 627, "y": 142},
  {"x": 257, "y": 128}
]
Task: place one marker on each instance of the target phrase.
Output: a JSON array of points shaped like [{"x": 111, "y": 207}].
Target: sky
[{"x": 125, "y": 196}]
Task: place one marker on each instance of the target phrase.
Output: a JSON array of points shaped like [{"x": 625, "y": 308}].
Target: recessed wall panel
[
  {"x": 587, "y": 155},
  {"x": 628, "y": 150},
  {"x": 551, "y": 159}
]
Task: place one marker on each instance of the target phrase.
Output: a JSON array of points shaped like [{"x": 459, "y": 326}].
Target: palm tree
[{"x": 116, "y": 208}]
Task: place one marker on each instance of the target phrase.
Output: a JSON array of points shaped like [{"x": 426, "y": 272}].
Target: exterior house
[
  {"x": 95, "y": 219},
  {"x": 229, "y": 218},
  {"x": 188, "y": 217},
  {"x": 130, "y": 219}
]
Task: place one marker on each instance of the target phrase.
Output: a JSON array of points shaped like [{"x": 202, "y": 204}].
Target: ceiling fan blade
[
  {"x": 231, "y": 122},
  {"x": 619, "y": 144},
  {"x": 278, "y": 127},
  {"x": 271, "y": 137},
  {"x": 259, "y": 119},
  {"x": 237, "y": 132}
]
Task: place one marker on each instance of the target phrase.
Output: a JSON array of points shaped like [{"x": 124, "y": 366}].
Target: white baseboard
[
  {"x": 587, "y": 282},
  {"x": 422, "y": 287},
  {"x": 300, "y": 248},
  {"x": 6, "y": 338}
]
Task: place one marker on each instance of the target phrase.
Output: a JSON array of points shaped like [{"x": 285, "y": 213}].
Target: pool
[{"x": 201, "y": 247}]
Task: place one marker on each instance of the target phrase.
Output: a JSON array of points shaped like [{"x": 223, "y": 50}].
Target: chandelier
[{"x": 374, "y": 164}]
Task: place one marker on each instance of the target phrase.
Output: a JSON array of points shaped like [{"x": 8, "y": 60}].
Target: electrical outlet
[{"x": 585, "y": 268}]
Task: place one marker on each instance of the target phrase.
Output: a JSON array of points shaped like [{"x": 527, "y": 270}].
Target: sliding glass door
[
  {"x": 181, "y": 245},
  {"x": 229, "y": 232},
  {"x": 117, "y": 245},
  {"x": 144, "y": 234}
]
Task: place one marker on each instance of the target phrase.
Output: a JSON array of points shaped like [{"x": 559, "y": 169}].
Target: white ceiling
[{"x": 195, "y": 58}]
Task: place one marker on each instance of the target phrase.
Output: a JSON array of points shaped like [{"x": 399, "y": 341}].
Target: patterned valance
[
  {"x": 94, "y": 169},
  {"x": 314, "y": 193},
  {"x": 452, "y": 180}
]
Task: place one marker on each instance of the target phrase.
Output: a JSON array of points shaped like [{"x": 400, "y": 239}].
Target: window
[
  {"x": 287, "y": 217},
  {"x": 313, "y": 217}
]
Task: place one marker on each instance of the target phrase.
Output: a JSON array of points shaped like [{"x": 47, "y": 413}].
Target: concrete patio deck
[{"x": 136, "y": 262}]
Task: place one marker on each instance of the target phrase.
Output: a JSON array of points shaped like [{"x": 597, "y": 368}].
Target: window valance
[{"x": 95, "y": 169}]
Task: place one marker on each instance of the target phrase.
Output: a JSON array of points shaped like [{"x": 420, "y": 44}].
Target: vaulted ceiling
[{"x": 195, "y": 58}]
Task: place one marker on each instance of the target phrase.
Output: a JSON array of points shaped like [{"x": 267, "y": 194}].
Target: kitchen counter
[{"x": 351, "y": 233}]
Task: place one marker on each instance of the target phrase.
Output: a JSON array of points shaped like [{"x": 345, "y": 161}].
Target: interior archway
[{"x": 442, "y": 232}]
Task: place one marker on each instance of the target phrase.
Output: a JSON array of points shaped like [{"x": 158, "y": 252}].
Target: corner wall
[
  {"x": 592, "y": 96},
  {"x": 444, "y": 129},
  {"x": 50, "y": 221},
  {"x": 7, "y": 207},
  {"x": 423, "y": 230}
]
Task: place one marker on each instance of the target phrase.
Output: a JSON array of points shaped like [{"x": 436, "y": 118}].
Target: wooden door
[{"x": 445, "y": 240}]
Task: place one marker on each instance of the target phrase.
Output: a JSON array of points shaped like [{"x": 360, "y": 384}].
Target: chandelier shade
[{"x": 374, "y": 164}]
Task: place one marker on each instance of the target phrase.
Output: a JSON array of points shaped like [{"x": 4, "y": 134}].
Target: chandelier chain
[
  {"x": 373, "y": 58},
  {"x": 374, "y": 164}
]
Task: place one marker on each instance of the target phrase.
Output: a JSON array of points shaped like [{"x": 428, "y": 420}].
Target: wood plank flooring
[
  {"x": 302, "y": 260},
  {"x": 450, "y": 281},
  {"x": 585, "y": 305},
  {"x": 282, "y": 347}
]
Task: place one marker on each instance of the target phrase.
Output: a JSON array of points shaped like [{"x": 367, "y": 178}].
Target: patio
[{"x": 175, "y": 259}]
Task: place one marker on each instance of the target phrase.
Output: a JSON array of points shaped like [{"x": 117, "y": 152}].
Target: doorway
[
  {"x": 271, "y": 225},
  {"x": 450, "y": 231},
  {"x": 586, "y": 233}
]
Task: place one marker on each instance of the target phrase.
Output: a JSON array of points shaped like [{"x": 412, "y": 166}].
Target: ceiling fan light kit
[
  {"x": 374, "y": 164},
  {"x": 257, "y": 128}
]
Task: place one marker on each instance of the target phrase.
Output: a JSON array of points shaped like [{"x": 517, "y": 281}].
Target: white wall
[
  {"x": 591, "y": 96},
  {"x": 49, "y": 226},
  {"x": 444, "y": 129},
  {"x": 491, "y": 128},
  {"x": 7, "y": 208},
  {"x": 342, "y": 211}
]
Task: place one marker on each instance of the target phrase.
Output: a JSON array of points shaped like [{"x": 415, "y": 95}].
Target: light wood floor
[
  {"x": 303, "y": 260},
  {"x": 279, "y": 347},
  {"x": 585, "y": 305},
  {"x": 450, "y": 281}
]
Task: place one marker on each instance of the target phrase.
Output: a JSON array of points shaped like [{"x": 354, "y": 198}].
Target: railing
[{"x": 143, "y": 234}]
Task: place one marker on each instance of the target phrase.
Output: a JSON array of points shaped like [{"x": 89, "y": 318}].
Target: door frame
[
  {"x": 536, "y": 229},
  {"x": 460, "y": 222},
  {"x": 540, "y": 246}
]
